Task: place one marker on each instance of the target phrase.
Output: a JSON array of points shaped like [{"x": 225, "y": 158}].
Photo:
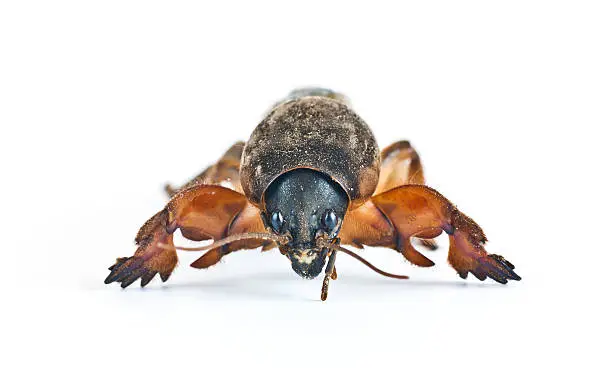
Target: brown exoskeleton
[{"x": 310, "y": 178}]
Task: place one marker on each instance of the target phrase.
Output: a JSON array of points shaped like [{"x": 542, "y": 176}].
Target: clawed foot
[
  {"x": 494, "y": 267},
  {"x": 129, "y": 269},
  {"x": 467, "y": 253},
  {"x": 149, "y": 259}
]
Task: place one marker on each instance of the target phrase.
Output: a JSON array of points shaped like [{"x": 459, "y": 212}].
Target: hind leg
[
  {"x": 401, "y": 165},
  {"x": 225, "y": 172}
]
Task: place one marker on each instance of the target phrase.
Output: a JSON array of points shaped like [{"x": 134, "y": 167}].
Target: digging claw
[
  {"x": 494, "y": 267},
  {"x": 127, "y": 270}
]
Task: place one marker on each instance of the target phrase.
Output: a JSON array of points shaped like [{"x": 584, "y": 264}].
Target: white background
[{"x": 509, "y": 105}]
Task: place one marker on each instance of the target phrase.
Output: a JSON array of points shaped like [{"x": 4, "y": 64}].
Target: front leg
[
  {"x": 420, "y": 211},
  {"x": 201, "y": 213},
  {"x": 148, "y": 260}
]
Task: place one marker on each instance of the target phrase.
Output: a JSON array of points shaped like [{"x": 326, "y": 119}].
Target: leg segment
[
  {"x": 224, "y": 172},
  {"x": 368, "y": 225},
  {"x": 393, "y": 217},
  {"x": 148, "y": 260},
  {"x": 201, "y": 212},
  {"x": 415, "y": 210},
  {"x": 401, "y": 165}
]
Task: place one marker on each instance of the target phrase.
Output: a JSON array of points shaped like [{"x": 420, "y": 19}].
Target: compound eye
[
  {"x": 277, "y": 221},
  {"x": 330, "y": 220}
]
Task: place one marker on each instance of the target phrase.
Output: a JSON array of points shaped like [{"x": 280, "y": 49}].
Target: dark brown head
[{"x": 306, "y": 204}]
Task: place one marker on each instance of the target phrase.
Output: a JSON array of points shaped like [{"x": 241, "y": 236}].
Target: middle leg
[
  {"x": 401, "y": 165},
  {"x": 225, "y": 172}
]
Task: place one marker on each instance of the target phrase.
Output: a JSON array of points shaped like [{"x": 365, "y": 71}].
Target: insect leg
[
  {"x": 416, "y": 209},
  {"x": 224, "y": 172},
  {"x": 201, "y": 213},
  {"x": 401, "y": 165}
]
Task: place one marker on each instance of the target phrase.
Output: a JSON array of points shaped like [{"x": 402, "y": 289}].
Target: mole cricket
[{"x": 309, "y": 180}]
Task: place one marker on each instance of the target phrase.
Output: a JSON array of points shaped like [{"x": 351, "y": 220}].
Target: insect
[{"x": 309, "y": 180}]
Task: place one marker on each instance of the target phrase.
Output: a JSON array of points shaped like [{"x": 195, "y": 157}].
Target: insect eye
[
  {"x": 277, "y": 221},
  {"x": 330, "y": 220}
]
